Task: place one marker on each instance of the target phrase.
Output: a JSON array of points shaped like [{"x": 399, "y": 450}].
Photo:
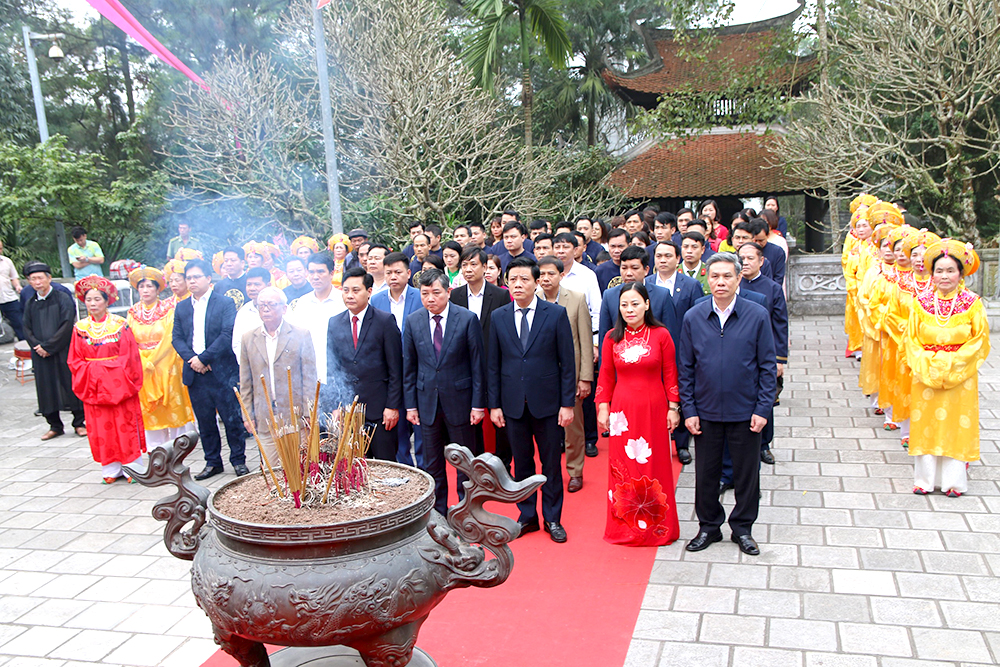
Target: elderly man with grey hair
[
  {"x": 270, "y": 351},
  {"x": 727, "y": 378}
]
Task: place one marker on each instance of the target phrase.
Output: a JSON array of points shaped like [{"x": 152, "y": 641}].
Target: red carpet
[{"x": 564, "y": 604}]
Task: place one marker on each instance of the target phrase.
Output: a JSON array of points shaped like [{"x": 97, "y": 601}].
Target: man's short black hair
[
  {"x": 683, "y": 211},
  {"x": 373, "y": 246},
  {"x": 513, "y": 213},
  {"x": 620, "y": 231},
  {"x": 323, "y": 258},
  {"x": 358, "y": 272},
  {"x": 544, "y": 237},
  {"x": 205, "y": 267},
  {"x": 694, "y": 236},
  {"x": 395, "y": 258},
  {"x": 471, "y": 252},
  {"x": 744, "y": 226},
  {"x": 564, "y": 224},
  {"x": 432, "y": 229},
  {"x": 539, "y": 223},
  {"x": 515, "y": 225},
  {"x": 465, "y": 227},
  {"x": 260, "y": 272},
  {"x": 236, "y": 249},
  {"x": 666, "y": 218},
  {"x": 294, "y": 258},
  {"x": 677, "y": 248},
  {"x": 583, "y": 217},
  {"x": 635, "y": 252},
  {"x": 480, "y": 225},
  {"x": 757, "y": 248},
  {"x": 78, "y": 231},
  {"x": 425, "y": 235},
  {"x": 551, "y": 261},
  {"x": 698, "y": 221},
  {"x": 566, "y": 237},
  {"x": 759, "y": 226},
  {"x": 431, "y": 276},
  {"x": 522, "y": 262},
  {"x": 416, "y": 223},
  {"x": 634, "y": 211}
]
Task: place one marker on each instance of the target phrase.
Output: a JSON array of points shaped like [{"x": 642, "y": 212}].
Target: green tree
[{"x": 540, "y": 19}]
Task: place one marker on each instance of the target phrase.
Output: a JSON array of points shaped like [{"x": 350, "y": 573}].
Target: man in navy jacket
[
  {"x": 203, "y": 337},
  {"x": 531, "y": 376},
  {"x": 633, "y": 269},
  {"x": 444, "y": 382},
  {"x": 727, "y": 387}
]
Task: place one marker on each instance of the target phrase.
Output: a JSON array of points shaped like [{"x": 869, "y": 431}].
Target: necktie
[
  {"x": 354, "y": 330},
  {"x": 524, "y": 329},
  {"x": 438, "y": 336}
]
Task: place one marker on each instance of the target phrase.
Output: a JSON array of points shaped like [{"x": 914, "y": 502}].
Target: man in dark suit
[
  {"x": 482, "y": 298},
  {"x": 443, "y": 378},
  {"x": 203, "y": 337},
  {"x": 365, "y": 359},
  {"x": 727, "y": 383},
  {"x": 633, "y": 269},
  {"x": 608, "y": 273},
  {"x": 752, "y": 256},
  {"x": 684, "y": 291},
  {"x": 532, "y": 389},
  {"x": 401, "y": 300}
]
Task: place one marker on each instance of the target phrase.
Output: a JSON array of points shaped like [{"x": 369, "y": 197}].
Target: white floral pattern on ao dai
[
  {"x": 617, "y": 423},
  {"x": 639, "y": 450}
]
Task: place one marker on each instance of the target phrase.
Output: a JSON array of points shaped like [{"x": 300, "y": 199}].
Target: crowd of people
[
  {"x": 654, "y": 328},
  {"x": 920, "y": 335}
]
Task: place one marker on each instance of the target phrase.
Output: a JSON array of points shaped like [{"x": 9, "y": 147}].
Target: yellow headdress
[
  {"x": 187, "y": 254},
  {"x": 338, "y": 238},
  {"x": 858, "y": 214},
  {"x": 304, "y": 242},
  {"x": 146, "y": 273},
  {"x": 99, "y": 283},
  {"x": 884, "y": 212},
  {"x": 862, "y": 200},
  {"x": 916, "y": 239},
  {"x": 217, "y": 262},
  {"x": 963, "y": 252},
  {"x": 173, "y": 266},
  {"x": 899, "y": 233},
  {"x": 261, "y": 248},
  {"x": 881, "y": 233}
]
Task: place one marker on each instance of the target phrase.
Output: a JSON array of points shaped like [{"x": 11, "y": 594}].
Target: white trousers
[
  {"x": 115, "y": 469},
  {"x": 931, "y": 472},
  {"x": 165, "y": 436}
]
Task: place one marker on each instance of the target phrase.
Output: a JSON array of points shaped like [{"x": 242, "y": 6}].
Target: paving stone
[
  {"x": 854, "y": 537},
  {"x": 881, "y": 518},
  {"x": 829, "y": 607},
  {"x": 922, "y": 540},
  {"x": 90, "y": 645},
  {"x": 769, "y": 603},
  {"x": 959, "y": 645},
  {"x": 813, "y": 556},
  {"x": 954, "y": 563},
  {"x": 666, "y": 626},
  {"x": 641, "y": 653},
  {"x": 936, "y": 521},
  {"x": 674, "y": 654},
  {"x": 729, "y": 629},
  {"x": 53, "y": 612},
  {"x": 741, "y": 576},
  {"x": 934, "y": 586},
  {"x": 974, "y": 542},
  {"x": 801, "y": 634},
  {"x": 196, "y": 651},
  {"x": 658, "y": 596},
  {"x": 144, "y": 650},
  {"x": 800, "y": 579},
  {"x": 894, "y": 560},
  {"x": 37, "y": 641},
  {"x": 905, "y": 611},
  {"x": 839, "y": 660},
  {"x": 679, "y": 573},
  {"x": 980, "y": 589},
  {"x": 972, "y": 615},
  {"x": 874, "y": 639}
]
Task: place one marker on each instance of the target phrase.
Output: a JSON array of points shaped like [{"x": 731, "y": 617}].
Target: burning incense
[{"x": 253, "y": 431}]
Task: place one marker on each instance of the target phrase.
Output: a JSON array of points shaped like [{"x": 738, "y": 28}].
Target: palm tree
[{"x": 544, "y": 21}]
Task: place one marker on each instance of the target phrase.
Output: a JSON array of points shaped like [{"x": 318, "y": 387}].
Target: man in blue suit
[
  {"x": 401, "y": 300},
  {"x": 531, "y": 378},
  {"x": 203, "y": 337},
  {"x": 684, "y": 292},
  {"x": 365, "y": 359},
  {"x": 633, "y": 269},
  {"x": 443, "y": 378},
  {"x": 727, "y": 384}
]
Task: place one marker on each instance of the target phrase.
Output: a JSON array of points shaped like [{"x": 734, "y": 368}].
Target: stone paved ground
[{"x": 855, "y": 570}]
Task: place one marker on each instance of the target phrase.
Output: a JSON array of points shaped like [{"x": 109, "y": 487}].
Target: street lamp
[{"x": 56, "y": 54}]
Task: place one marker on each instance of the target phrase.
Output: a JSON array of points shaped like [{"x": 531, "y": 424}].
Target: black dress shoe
[
  {"x": 209, "y": 471},
  {"x": 702, "y": 541},
  {"x": 684, "y": 456},
  {"x": 241, "y": 470},
  {"x": 555, "y": 531},
  {"x": 528, "y": 527},
  {"x": 747, "y": 544},
  {"x": 767, "y": 457},
  {"x": 725, "y": 486},
  {"x": 591, "y": 449}
]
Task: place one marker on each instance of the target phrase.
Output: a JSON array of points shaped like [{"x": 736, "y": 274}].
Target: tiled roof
[{"x": 710, "y": 165}]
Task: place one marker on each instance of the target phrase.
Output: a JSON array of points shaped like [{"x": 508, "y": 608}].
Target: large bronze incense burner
[{"x": 367, "y": 584}]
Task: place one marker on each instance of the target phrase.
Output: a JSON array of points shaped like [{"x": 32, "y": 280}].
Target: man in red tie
[
  {"x": 444, "y": 381},
  {"x": 365, "y": 359}
]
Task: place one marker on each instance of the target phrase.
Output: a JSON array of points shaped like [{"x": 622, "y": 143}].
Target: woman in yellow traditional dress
[
  {"x": 166, "y": 408},
  {"x": 854, "y": 246},
  {"x": 303, "y": 247},
  {"x": 913, "y": 281},
  {"x": 338, "y": 245},
  {"x": 947, "y": 340},
  {"x": 871, "y": 310},
  {"x": 173, "y": 273}
]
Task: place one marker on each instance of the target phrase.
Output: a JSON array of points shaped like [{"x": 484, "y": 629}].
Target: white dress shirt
[
  {"x": 476, "y": 300},
  {"x": 667, "y": 284},
  {"x": 198, "y": 328},
  {"x": 247, "y": 319},
  {"x": 519, "y": 317},
  {"x": 271, "y": 345},
  {"x": 723, "y": 314},
  {"x": 398, "y": 308},
  {"x": 309, "y": 313},
  {"x": 581, "y": 279},
  {"x": 376, "y": 288},
  {"x": 444, "y": 321}
]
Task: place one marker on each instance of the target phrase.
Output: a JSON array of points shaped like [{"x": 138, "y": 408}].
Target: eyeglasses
[
  {"x": 262, "y": 306},
  {"x": 194, "y": 276}
]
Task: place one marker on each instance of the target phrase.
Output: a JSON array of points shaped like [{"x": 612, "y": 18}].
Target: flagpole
[{"x": 332, "y": 177}]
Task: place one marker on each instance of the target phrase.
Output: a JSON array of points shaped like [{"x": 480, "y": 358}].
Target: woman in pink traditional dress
[{"x": 638, "y": 402}]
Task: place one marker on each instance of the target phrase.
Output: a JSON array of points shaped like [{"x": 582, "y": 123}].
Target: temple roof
[
  {"x": 668, "y": 70},
  {"x": 711, "y": 165}
]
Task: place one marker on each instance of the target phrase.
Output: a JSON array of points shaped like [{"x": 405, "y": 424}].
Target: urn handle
[
  {"x": 188, "y": 504},
  {"x": 488, "y": 480}
]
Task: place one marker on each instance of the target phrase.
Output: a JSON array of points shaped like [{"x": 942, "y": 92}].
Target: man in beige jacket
[
  {"x": 270, "y": 351},
  {"x": 551, "y": 270}
]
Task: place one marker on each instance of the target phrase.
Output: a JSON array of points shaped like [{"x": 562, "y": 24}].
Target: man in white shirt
[
  {"x": 313, "y": 311},
  {"x": 579, "y": 278},
  {"x": 10, "y": 289},
  {"x": 374, "y": 265},
  {"x": 248, "y": 317}
]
